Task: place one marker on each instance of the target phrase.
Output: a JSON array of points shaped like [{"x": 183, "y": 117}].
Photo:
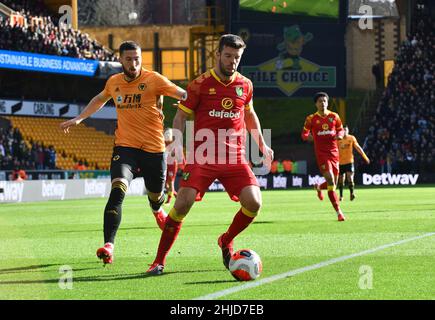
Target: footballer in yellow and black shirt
[
  {"x": 347, "y": 169},
  {"x": 139, "y": 143}
]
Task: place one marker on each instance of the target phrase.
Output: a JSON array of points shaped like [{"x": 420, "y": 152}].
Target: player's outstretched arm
[
  {"x": 254, "y": 128},
  {"x": 93, "y": 106},
  {"x": 362, "y": 153}
]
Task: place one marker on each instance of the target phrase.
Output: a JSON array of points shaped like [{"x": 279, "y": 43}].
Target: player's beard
[
  {"x": 224, "y": 71},
  {"x": 130, "y": 74}
]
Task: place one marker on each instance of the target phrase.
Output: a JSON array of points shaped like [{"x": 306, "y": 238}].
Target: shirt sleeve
[
  {"x": 165, "y": 87},
  {"x": 307, "y": 128},
  {"x": 107, "y": 87},
  {"x": 250, "y": 96}
]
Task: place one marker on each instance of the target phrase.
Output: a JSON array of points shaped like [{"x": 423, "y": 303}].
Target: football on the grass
[{"x": 245, "y": 265}]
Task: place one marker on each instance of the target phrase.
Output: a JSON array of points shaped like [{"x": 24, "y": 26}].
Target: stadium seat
[{"x": 82, "y": 142}]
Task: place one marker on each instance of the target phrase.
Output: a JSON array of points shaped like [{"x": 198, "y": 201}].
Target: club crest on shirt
[
  {"x": 325, "y": 126},
  {"x": 186, "y": 175},
  {"x": 119, "y": 99},
  {"x": 116, "y": 158},
  {"x": 239, "y": 91},
  {"x": 142, "y": 86}
]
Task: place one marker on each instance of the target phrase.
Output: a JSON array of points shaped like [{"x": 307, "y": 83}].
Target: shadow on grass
[
  {"x": 141, "y": 275},
  {"x": 211, "y": 282},
  {"x": 132, "y": 228},
  {"x": 155, "y": 227},
  {"x": 26, "y": 268},
  {"x": 39, "y": 268}
]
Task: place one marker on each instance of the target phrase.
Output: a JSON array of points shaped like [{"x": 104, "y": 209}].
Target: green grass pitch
[{"x": 294, "y": 230}]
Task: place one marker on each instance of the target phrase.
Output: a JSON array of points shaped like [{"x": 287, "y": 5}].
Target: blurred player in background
[
  {"x": 172, "y": 166},
  {"x": 347, "y": 168},
  {"x": 221, "y": 100},
  {"x": 139, "y": 143},
  {"x": 324, "y": 128}
]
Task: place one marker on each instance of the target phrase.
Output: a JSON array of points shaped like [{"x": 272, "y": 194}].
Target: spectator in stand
[
  {"x": 80, "y": 166},
  {"x": 51, "y": 158},
  {"x": 14, "y": 152},
  {"x": 2, "y": 149},
  {"x": 19, "y": 175},
  {"x": 288, "y": 165},
  {"x": 274, "y": 167},
  {"x": 40, "y": 158},
  {"x": 280, "y": 167}
]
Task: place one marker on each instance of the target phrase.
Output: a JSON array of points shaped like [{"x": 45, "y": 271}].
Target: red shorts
[
  {"x": 328, "y": 165},
  {"x": 234, "y": 177},
  {"x": 171, "y": 172}
]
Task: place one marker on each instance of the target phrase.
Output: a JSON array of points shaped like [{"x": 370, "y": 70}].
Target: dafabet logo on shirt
[{"x": 227, "y": 103}]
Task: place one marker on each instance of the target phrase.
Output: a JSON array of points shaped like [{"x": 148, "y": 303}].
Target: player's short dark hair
[
  {"x": 231, "y": 40},
  {"x": 320, "y": 94},
  {"x": 128, "y": 45}
]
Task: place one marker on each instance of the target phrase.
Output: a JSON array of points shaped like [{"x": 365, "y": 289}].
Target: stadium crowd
[
  {"x": 402, "y": 132},
  {"x": 15, "y": 155},
  {"x": 38, "y": 32}
]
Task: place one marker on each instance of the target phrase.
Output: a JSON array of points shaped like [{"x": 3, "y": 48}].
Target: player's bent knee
[
  {"x": 117, "y": 195},
  {"x": 331, "y": 187},
  {"x": 155, "y": 196}
]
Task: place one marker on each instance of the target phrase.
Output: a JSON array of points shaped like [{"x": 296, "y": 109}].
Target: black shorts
[
  {"x": 129, "y": 163},
  {"x": 349, "y": 167}
]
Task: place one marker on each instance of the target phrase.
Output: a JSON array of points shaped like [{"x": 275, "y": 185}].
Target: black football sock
[
  {"x": 340, "y": 187},
  {"x": 351, "y": 187},
  {"x": 113, "y": 211}
]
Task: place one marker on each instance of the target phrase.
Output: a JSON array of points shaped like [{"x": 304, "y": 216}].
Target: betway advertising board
[{"x": 42, "y": 190}]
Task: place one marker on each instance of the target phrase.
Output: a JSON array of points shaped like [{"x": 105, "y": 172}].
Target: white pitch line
[{"x": 326, "y": 263}]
